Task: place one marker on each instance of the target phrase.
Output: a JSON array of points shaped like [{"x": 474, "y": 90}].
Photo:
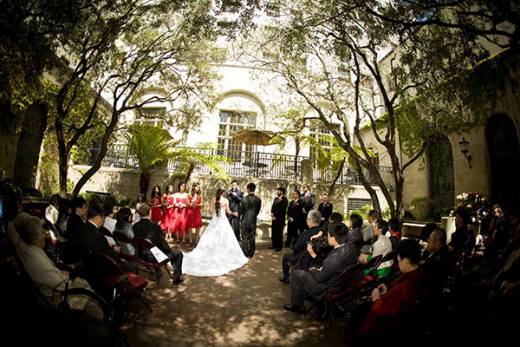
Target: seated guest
[
  {"x": 389, "y": 305},
  {"x": 507, "y": 279},
  {"x": 336, "y": 218},
  {"x": 91, "y": 239},
  {"x": 124, "y": 226},
  {"x": 146, "y": 229},
  {"x": 298, "y": 254},
  {"x": 315, "y": 281},
  {"x": 436, "y": 259},
  {"x": 79, "y": 208},
  {"x": 110, "y": 222},
  {"x": 28, "y": 240},
  {"x": 425, "y": 235},
  {"x": 394, "y": 232},
  {"x": 321, "y": 242},
  {"x": 382, "y": 246},
  {"x": 462, "y": 240},
  {"x": 355, "y": 235},
  {"x": 368, "y": 231}
]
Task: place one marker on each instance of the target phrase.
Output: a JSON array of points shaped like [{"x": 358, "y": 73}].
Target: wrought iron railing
[{"x": 240, "y": 164}]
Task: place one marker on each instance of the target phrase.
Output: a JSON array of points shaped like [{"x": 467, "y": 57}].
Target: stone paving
[{"x": 243, "y": 308}]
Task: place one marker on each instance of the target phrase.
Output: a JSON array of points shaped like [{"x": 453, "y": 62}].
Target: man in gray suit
[
  {"x": 315, "y": 281},
  {"x": 248, "y": 211}
]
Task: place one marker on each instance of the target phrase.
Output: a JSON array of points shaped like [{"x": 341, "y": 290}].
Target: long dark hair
[
  {"x": 123, "y": 217},
  {"x": 193, "y": 186},
  {"x": 154, "y": 194},
  {"x": 217, "y": 201}
]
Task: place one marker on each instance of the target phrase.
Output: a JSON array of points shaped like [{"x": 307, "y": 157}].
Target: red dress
[
  {"x": 168, "y": 217},
  {"x": 180, "y": 219},
  {"x": 195, "y": 212},
  {"x": 156, "y": 209}
]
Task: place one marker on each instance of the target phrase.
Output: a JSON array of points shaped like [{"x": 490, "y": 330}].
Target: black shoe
[
  {"x": 284, "y": 280},
  {"x": 177, "y": 281},
  {"x": 278, "y": 250},
  {"x": 294, "y": 309}
]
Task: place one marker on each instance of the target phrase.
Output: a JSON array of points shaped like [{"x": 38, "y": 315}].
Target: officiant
[{"x": 235, "y": 196}]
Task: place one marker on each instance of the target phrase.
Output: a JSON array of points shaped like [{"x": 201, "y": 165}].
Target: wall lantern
[{"x": 464, "y": 148}]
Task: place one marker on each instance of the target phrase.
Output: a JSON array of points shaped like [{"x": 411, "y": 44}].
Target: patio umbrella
[{"x": 253, "y": 137}]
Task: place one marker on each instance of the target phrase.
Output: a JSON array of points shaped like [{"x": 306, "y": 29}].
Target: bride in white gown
[{"x": 218, "y": 251}]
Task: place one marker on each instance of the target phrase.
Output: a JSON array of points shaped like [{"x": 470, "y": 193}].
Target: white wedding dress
[{"x": 218, "y": 251}]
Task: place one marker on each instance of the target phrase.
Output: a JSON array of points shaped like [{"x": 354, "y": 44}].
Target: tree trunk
[
  {"x": 144, "y": 182},
  {"x": 191, "y": 167},
  {"x": 29, "y": 145},
  {"x": 371, "y": 191},
  {"x": 8, "y": 138},
  {"x": 340, "y": 170},
  {"x": 296, "y": 155},
  {"x": 103, "y": 149},
  {"x": 63, "y": 169}
]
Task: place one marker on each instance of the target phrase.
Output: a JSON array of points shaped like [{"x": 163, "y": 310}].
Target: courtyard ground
[{"x": 243, "y": 308}]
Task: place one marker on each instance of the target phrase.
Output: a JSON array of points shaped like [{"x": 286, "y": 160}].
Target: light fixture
[{"x": 464, "y": 148}]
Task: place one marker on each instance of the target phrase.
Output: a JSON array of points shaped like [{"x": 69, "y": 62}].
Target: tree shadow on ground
[{"x": 243, "y": 308}]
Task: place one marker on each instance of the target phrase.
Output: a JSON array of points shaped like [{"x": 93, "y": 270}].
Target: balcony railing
[{"x": 240, "y": 164}]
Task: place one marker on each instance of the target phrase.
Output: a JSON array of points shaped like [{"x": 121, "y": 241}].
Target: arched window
[
  {"x": 230, "y": 123},
  {"x": 504, "y": 159}
]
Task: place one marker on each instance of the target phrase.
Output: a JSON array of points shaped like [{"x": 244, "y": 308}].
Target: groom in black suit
[
  {"x": 235, "y": 197},
  {"x": 248, "y": 211}
]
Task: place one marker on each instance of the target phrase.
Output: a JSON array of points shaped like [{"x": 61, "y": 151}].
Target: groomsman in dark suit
[
  {"x": 235, "y": 196},
  {"x": 249, "y": 210},
  {"x": 278, "y": 212},
  {"x": 325, "y": 209},
  {"x": 295, "y": 219}
]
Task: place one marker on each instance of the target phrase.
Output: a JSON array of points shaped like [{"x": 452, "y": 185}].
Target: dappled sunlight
[{"x": 244, "y": 307}]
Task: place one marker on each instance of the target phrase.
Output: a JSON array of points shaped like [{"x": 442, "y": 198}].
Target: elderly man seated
[
  {"x": 437, "y": 260},
  {"x": 300, "y": 247},
  {"x": 28, "y": 239},
  {"x": 317, "y": 280}
]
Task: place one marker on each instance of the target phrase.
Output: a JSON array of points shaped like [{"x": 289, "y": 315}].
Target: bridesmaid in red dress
[
  {"x": 168, "y": 217},
  {"x": 155, "y": 201},
  {"x": 195, "y": 212},
  {"x": 181, "y": 209}
]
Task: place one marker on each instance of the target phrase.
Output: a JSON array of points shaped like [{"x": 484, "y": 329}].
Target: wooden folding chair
[{"x": 146, "y": 259}]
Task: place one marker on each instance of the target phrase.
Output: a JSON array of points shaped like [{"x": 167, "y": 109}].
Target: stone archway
[
  {"x": 29, "y": 144},
  {"x": 504, "y": 159},
  {"x": 441, "y": 173}
]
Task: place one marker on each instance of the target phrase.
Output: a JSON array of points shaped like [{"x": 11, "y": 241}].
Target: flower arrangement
[{"x": 476, "y": 204}]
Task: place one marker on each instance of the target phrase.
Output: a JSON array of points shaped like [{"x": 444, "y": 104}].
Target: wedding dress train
[{"x": 218, "y": 251}]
